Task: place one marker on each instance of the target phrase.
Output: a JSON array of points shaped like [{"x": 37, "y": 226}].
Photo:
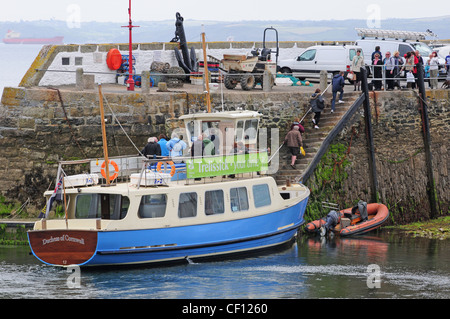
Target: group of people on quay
[{"x": 392, "y": 66}]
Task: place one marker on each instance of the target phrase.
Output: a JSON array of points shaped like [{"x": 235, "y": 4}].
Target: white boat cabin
[{"x": 228, "y": 127}]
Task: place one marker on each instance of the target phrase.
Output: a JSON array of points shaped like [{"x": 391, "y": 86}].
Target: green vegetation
[
  {"x": 436, "y": 228},
  {"x": 6, "y": 207},
  {"x": 329, "y": 176},
  {"x": 16, "y": 237}
]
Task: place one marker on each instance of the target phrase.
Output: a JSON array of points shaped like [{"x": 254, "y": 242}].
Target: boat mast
[
  {"x": 105, "y": 144},
  {"x": 205, "y": 72}
]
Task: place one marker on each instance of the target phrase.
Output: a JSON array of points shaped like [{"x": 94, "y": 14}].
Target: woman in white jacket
[
  {"x": 357, "y": 64},
  {"x": 434, "y": 70}
]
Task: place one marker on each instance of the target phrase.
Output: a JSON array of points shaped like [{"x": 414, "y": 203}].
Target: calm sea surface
[
  {"x": 17, "y": 60},
  {"x": 309, "y": 269}
]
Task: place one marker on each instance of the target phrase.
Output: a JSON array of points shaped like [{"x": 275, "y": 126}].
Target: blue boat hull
[
  {"x": 127, "y": 247},
  {"x": 198, "y": 241}
]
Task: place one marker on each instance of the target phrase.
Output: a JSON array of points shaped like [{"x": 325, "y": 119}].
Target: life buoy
[
  {"x": 114, "y": 59},
  {"x": 172, "y": 165},
  {"x": 116, "y": 170}
]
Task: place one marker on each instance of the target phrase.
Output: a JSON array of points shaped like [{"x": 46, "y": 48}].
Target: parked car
[
  {"x": 442, "y": 51},
  {"x": 331, "y": 58}
]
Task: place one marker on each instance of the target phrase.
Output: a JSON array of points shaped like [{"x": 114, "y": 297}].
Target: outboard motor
[{"x": 332, "y": 220}]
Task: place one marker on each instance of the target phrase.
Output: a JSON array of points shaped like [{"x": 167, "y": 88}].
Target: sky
[{"x": 78, "y": 11}]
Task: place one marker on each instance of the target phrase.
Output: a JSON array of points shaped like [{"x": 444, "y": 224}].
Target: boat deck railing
[{"x": 123, "y": 168}]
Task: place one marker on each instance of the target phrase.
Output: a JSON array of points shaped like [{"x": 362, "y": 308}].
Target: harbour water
[{"x": 380, "y": 265}]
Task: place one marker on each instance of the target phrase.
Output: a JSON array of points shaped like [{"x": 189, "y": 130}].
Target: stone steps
[{"x": 313, "y": 138}]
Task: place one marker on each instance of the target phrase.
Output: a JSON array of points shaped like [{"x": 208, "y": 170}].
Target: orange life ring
[
  {"x": 114, "y": 59},
  {"x": 116, "y": 170},
  {"x": 172, "y": 170}
]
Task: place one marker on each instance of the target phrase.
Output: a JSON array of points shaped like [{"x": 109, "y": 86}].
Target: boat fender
[
  {"x": 170, "y": 163},
  {"x": 116, "y": 170}
]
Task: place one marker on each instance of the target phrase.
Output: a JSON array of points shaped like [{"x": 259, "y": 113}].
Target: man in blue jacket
[
  {"x": 162, "y": 142},
  {"x": 338, "y": 83}
]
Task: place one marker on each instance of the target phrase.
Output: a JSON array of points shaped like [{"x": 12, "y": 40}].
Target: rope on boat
[{"x": 115, "y": 117}]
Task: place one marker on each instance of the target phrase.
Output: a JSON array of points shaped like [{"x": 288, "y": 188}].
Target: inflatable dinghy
[{"x": 352, "y": 221}]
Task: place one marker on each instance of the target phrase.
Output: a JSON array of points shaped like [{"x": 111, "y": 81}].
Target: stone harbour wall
[
  {"x": 36, "y": 131},
  {"x": 399, "y": 155},
  {"x": 57, "y": 64}
]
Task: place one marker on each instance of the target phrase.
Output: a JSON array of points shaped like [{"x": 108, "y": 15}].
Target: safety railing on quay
[{"x": 400, "y": 74}]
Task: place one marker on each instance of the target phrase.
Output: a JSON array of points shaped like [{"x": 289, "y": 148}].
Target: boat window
[
  {"x": 261, "y": 195},
  {"x": 238, "y": 199},
  {"x": 153, "y": 206},
  {"x": 207, "y": 125},
  {"x": 239, "y": 130},
  {"x": 190, "y": 127},
  {"x": 251, "y": 128},
  {"x": 214, "y": 203},
  {"x": 187, "y": 206},
  {"x": 105, "y": 206}
]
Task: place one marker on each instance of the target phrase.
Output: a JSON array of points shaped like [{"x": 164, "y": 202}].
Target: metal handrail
[{"x": 329, "y": 139}]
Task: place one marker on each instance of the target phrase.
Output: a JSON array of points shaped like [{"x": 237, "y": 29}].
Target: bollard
[
  {"x": 145, "y": 81},
  {"x": 88, "y": 81},
  {"x": 323, "y": 80},
  {"x": 162, "y": 87},
  {"x": 267, "y": 81},
  {"x": 79, "y": 79}
]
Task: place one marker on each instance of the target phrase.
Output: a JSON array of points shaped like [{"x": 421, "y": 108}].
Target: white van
[
  {"x": 331, "y": 58},
  {"x": 390, "y": 40}
]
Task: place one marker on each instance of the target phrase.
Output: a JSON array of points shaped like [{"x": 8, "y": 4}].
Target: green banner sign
[{"x": 226, "y": 165}]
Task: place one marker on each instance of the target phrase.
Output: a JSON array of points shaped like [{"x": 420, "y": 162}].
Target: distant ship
[{"x": 12, "y": 37}]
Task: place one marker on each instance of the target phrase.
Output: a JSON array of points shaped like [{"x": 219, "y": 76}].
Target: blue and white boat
[{"x": 225, "y": 205}]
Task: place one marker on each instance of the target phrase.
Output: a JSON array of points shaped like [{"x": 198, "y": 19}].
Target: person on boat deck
[
  {"x": 198, "y": 147},
  {"x": 216, "y": 140},
  {"x": 162, "y": 142},
  {"x": 209, "y": 146},
  {"x": 176, "y": 145},
  {"x": 152, "y": 149},
  {"x": 294, "y": 141},
  {"x": 239, "y": 148}
]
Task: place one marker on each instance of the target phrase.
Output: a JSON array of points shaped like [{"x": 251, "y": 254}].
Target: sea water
[
  {"x": 309, "y": 269},
  {"x": 16, "y": 60}
]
